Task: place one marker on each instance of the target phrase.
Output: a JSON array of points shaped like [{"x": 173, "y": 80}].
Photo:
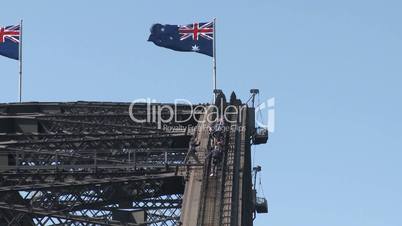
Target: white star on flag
[{"x": 195, "y": 48}]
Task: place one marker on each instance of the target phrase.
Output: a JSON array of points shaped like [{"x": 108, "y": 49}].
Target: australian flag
[
  {"x": 10, "y": 41},
  {"x": 196, "y": 37}
]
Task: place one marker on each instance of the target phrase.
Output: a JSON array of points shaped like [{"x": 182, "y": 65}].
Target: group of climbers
[
  {"x": 217, "y": 142},
  {"x": 217, "y": 136}
]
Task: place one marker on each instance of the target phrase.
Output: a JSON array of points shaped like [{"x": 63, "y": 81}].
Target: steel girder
[{"x": 117, "y": 149}]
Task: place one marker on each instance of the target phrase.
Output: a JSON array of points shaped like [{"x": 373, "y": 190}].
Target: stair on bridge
[
  {"x": 218, "y": 191},
  {"x": 227, "y": 194}
]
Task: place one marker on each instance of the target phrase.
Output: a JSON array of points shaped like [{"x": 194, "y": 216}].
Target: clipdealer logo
[
  {"x": 267, "y": 106},
  {"x": 163, "y": 114}
]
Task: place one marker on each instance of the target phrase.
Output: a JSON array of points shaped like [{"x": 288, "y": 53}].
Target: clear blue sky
[{"x": 334, "y": 68}]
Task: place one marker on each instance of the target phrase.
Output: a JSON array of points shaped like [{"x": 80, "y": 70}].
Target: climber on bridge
[
  {"x": 217, "y": 129},
  {"x": 192, "y": 150},
  {"x": 216, "y": 155}
]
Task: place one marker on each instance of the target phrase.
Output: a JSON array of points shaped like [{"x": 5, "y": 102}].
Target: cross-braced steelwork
[{"x": 88, "y": 163}]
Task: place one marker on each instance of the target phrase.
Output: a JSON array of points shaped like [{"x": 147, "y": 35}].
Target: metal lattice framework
[{"x": 88, "y": 163}]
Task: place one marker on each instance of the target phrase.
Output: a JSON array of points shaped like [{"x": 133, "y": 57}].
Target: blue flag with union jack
[
  {"x": 10, "y": 41},
  {"x": 196, "y": 37}
]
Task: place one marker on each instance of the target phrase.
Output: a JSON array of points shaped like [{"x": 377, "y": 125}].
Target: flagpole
[
  {"x": 20, "y": 62},
  {"x": 214, "y": 60}
]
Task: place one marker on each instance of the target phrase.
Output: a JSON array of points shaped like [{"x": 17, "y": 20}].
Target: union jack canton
[{"x": 10, "y": 41}]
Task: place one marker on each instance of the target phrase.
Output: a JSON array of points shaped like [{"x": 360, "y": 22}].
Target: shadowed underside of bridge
[{"x": 89, "y": 163}]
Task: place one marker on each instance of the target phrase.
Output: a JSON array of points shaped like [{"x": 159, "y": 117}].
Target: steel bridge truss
[{"x": 88, "y": 163}]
